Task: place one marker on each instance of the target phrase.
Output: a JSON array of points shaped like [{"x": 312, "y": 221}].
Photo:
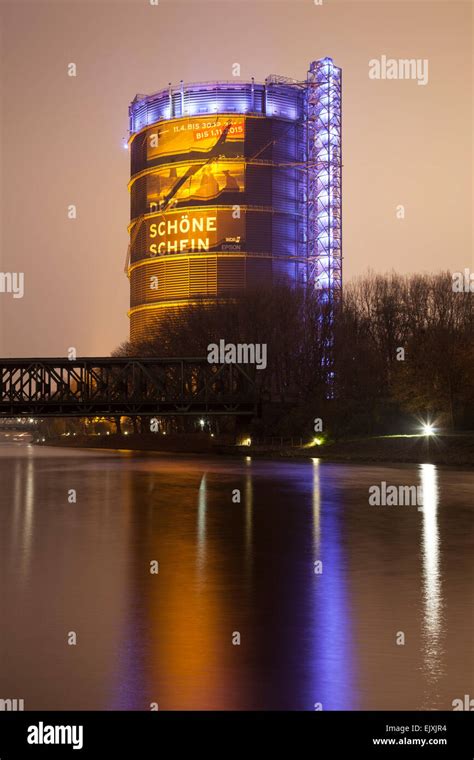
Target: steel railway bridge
[{"x": 109, "y": 387}]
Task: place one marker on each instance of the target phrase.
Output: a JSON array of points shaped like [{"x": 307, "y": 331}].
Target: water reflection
[
  {"x": 432, "y": 623},
  {"x": 316, "y": 506},
  {"x": 21, "y": 531},
  {"x": 201, "y": 527},
  {"x": 248, "y": 521},
  {"x": 224, "y": 566},
  {"x": 333, "y": 683}
]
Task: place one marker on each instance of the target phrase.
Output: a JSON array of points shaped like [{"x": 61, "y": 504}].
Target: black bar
[{"x": 315, "y": 734}]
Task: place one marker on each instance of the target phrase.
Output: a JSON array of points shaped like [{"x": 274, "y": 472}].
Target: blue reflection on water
[{"x": 333, "y": 655}]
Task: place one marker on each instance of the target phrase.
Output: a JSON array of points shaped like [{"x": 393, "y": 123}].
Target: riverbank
[
  {"x": 452, "y": 449},
  {"x": 457, "y": 450}
]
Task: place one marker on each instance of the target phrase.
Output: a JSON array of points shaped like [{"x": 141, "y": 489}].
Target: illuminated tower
[
  {"x": 324, "y": 119},
  {"x": 233, "y": 185}
]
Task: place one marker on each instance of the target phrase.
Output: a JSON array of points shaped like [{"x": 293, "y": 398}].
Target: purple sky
[{"x": 61, "y": 138}]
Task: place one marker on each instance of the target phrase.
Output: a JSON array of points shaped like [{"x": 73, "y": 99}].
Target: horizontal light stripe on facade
[
  {"x": 165, "y": 305},
  {"x": 223, "y": 115},
  {"x": 144, "y": 317},
  {"x": 220, "y": 254}
]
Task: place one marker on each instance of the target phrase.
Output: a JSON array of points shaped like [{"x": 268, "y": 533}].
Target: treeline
[{"x": 398, "y": 350}]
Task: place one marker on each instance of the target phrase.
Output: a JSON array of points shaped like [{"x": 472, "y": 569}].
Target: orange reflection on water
[{"x": 191, "y": 644}]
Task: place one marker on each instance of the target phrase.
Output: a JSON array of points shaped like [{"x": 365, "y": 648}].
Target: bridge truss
[{"x": 126, "y": 387}]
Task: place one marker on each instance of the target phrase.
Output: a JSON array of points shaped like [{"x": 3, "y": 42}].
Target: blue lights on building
[
  {"x": 269, "y": 99},
  {"x": 324, "y": 120}
]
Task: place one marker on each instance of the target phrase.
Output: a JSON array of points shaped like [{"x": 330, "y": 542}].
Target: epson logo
[{"x": 42, "y": 734}]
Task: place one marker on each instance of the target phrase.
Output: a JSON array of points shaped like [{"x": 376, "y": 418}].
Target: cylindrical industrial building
[{"x": 220, "y": 179}]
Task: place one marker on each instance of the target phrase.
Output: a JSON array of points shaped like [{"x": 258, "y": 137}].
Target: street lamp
[{"x": 428, "y": 429}]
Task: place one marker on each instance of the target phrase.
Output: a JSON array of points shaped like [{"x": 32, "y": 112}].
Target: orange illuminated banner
[
  {"x": 204, "y": 181},
  {"x": 203, "y": 134},
  {"x": 194, "y": 231}
]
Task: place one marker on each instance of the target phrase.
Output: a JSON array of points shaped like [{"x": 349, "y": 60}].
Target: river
[{"x": 185, "y": 582}]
